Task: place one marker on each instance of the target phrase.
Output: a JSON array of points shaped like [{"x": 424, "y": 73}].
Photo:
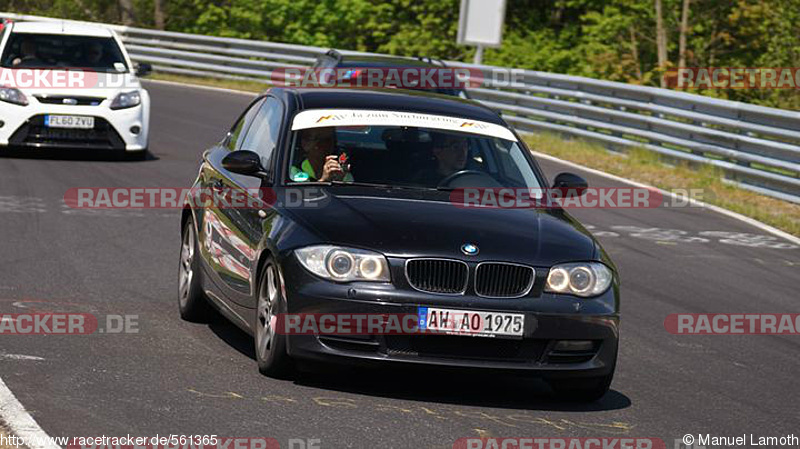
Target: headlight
[
  {"x": 126, "y": 100},
  {"x": 13, "y": 95},
  {"x": 581, "y": 279},
  {"x": 344, "y": 264}
]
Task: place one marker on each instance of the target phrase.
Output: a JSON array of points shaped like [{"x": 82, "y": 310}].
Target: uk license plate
[
  {"x": 471, "y": 323},
  {"x": 69, "y": 121}
]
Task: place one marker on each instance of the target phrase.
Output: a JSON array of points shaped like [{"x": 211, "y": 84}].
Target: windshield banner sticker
[{"x": 318, "y": 118}]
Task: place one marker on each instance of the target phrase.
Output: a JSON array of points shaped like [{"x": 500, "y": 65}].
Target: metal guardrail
[{"x": 754, "y": 146}]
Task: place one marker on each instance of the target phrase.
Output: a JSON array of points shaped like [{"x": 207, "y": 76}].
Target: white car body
[{"x": 131, "y": 124}]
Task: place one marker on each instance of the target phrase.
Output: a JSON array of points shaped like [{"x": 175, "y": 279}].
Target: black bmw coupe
[{"x": 349, "y": 210}]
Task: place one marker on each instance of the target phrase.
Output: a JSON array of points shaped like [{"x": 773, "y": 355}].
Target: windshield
[
  {"x": 48, "y": 51},
  {"x": 403, "y": 156}
]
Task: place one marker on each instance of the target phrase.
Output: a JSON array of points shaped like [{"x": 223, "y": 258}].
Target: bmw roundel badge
[{"x": 470, "y": 249}]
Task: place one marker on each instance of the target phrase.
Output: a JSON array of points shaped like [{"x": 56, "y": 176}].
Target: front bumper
[
  {"x": 23, "y": 127},
  {"x": 549, "y": 319}
]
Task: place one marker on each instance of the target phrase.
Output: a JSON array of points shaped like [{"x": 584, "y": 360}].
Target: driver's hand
[{"x": 331, "y": 170}]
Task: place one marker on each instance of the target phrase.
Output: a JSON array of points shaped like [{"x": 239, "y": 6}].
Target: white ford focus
[{"x": 65, "y": 85}]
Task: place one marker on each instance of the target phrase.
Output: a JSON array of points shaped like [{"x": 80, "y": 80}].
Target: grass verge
[
  {"x": 647, "y": 167},
  {"x": 245, "y": 85}
]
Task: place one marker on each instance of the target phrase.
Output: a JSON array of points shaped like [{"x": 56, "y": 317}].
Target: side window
[
  {"x": 262, "y": 136},
  {"x": 235, "y": 136}
]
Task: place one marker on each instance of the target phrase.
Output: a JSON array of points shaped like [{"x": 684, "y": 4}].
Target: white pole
[{"x": 479, "y": 55}]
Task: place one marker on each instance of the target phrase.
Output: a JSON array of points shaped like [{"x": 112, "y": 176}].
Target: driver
[
  {"x": 317, "y": 144},
  {"x": 27, "y": 57},
  {"x": 94, "y": 54},
  {"x": 450, "y": 153}
]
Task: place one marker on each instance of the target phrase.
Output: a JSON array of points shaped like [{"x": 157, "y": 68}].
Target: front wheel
[{"x": 271, "y": 355}]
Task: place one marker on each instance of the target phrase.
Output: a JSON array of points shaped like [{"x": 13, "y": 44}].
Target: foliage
[{"x": 608, "y": 39}]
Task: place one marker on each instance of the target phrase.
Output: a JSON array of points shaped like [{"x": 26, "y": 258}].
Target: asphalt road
[{"x": 173, "y": 377}]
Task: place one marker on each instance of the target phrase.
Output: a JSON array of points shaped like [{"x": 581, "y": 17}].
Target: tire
[
  {"x": 271, "y": 355},
  {"x": 192, "y": 303},
  {"x": 588, "y": 389}
]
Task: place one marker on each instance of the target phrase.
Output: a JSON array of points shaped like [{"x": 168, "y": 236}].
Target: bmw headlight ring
[
  {"x": 583, "y": 279},
  {"x": 341, "y": 264}
]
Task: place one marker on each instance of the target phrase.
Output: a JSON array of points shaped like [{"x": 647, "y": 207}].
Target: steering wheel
[{"x": 464, "y": 173}]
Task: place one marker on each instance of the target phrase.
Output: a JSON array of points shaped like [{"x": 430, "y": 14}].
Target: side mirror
[
  {"x": 570, "y": 184},
  {"x": 244, "y": 162},
  {"x": 142, "y": 68}
]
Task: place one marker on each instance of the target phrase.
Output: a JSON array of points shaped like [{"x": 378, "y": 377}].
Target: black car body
[{"x": 569, "y": 340}]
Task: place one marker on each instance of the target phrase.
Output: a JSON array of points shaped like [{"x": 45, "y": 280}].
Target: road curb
[{"x": 20, "y": 423}]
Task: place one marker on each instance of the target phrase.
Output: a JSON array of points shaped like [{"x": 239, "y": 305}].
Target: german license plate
[
  {"x": 471, "y": 323},
  {"x": 68, "y": 121}
]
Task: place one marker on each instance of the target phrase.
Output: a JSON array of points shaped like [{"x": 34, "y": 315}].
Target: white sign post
[{"x": 480, "y": 23}]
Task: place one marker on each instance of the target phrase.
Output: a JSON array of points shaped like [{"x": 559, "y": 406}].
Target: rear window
[{"x": 48, "y": 51}]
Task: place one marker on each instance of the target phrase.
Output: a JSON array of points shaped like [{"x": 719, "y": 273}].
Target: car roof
[
  {"x": 64, "y": 28},
  {"x": 393, "y": 100},
  {"x": 382, "y": 61}
]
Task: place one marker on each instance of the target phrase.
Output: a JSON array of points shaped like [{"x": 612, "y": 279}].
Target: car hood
[{"x": 413, "y": 227}]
